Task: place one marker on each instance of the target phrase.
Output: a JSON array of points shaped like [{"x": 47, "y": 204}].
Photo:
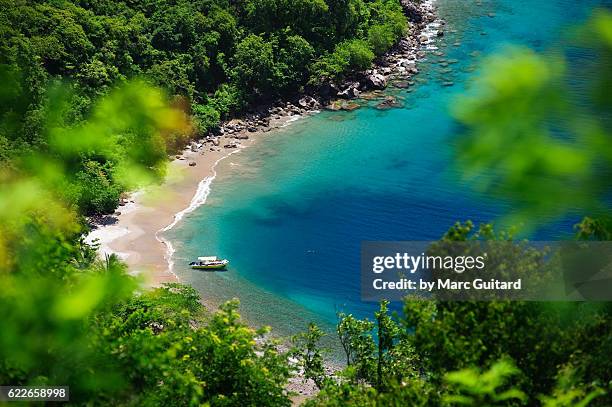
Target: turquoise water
[{"x": 290, "y": 211}]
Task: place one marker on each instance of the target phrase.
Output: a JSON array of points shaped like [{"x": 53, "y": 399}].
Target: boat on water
[{"x": 209, "y": 263}]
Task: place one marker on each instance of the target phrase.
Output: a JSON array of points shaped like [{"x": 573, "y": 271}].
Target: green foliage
[
  {"x": 272, "y": 67},
  {"x": 434, "y": 351},
  {"x": 174, "y": 75},
  {"x": 253, "y": 64},
  {"x": 357, "y": 53},
  {"x": 539, "y": 337},
  {"x": 433, "y": 355},
  {"x": 45, "y": 336},
  {"x": 595, "y": 229},
  {"x": 343, "y": 394},
  {"x": 306, "y": 349},
  {"x": 293, "y": 62},
  {"x": 161, "y": 337},
  {"x": 381, "y": 38},
  {"x": 206, "y": 117},
  {"x": 356, "y": 339},
  {"x": 150, "y": 349},
  {"x": 81, "y": 167},
  {"x": 348, "y": 56},
  {"x": 72, "y": 319},
  {"x": 377, "y": 353},
  {"x": 472, "y": 388},
  {"x": 388, "y": 25},
  {"x": 227, "y": 99},
  {"x": 386, "y": 330},
  {"x": 96, "y": 192},
  {"x": 413, "y": 392},
  {"x": 551, "y": 160},
  {"x": 570, "y": 392}
]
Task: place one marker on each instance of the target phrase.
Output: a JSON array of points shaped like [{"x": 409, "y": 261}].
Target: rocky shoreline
[{"x": 396, "y": 68}]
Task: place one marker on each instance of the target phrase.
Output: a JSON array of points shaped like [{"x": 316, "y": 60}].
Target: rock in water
[
  {"x": 388, "y": 103},
  {"x": 401, "y": 84},
  {"x": 308, "y": 102},
  {"x": 376, "y": 81},
  {"x": 350, "y": 106},
  {"x": 335, "y": 105},
  {"x": 349, "y": 93}
]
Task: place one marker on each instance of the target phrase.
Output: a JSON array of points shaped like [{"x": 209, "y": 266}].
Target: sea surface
[{"x": 290, "y": 211}]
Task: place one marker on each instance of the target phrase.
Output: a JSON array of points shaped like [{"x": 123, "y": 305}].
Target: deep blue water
[{"x": 290, "y": 212}]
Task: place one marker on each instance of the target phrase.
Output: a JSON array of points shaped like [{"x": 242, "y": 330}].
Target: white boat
[{"x": 209, "y": 263}]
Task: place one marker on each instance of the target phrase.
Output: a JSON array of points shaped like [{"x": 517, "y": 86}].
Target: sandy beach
[{"x": 133, "y": 232}]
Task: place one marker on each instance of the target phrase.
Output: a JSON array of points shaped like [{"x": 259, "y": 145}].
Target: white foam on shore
[
  {"x": 298, "y": 117},
  {"x": 103, "y": 236},
  {"x": 168, "y": 255},
  {"x": 431, "y": 30},
  {"x": 290, "y": 120},
  {"x": 198, "y": 199}
]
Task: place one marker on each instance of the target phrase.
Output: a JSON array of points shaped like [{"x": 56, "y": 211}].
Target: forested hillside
[{"x": 212, "y": 56}]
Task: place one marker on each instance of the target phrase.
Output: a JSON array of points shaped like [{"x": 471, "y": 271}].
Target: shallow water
[{"x": 290, "y": 211}]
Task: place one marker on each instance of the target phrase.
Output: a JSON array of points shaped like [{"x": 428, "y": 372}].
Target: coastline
[
  {"x": 134, "y": 231},
  {"x": 120, "y": 159}
]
